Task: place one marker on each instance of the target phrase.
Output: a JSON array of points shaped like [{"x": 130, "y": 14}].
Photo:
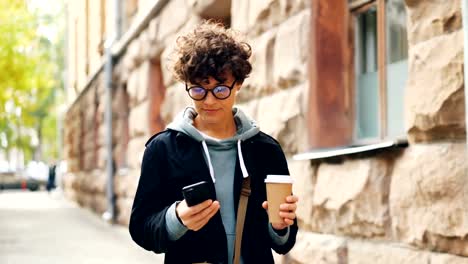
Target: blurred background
[
  {"x": 32, "y": 86},
  {"x": 366, "y": 98}
]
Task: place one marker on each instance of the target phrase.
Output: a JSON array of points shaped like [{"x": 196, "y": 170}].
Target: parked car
[
  {"x": 10, "y": 180},
  {"x": 32, "y": 177}
]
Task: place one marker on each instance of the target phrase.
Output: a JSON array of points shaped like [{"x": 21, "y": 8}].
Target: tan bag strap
[{"x": 241, "y": 211}]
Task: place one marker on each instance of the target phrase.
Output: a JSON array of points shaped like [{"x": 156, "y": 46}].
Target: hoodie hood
[
  {"x": 183, "y": 122},
  {"x": 246, "y": 128}
]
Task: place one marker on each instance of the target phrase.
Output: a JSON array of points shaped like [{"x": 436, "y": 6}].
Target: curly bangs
[{"x": 211, "y": 50}]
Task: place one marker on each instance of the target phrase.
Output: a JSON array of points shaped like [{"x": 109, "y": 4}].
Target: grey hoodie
[{"x": 220, "y": 156}]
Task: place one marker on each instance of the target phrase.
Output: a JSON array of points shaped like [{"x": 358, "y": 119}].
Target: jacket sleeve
[
  {"x": 281, "y": 167},
  {"x": 147, "y": 220}
]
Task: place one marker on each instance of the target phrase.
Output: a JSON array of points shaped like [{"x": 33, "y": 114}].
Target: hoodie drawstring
[
  {"x": 245, "y": 173},
  {"x": 241, "y": 160},
  {"x": 205, "y": 148}
]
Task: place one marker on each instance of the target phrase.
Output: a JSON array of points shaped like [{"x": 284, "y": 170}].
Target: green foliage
[{"x": 30, "y": 78}]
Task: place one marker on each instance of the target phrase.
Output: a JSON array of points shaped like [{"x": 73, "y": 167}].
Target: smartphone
[{"x": 196, "y": 193}]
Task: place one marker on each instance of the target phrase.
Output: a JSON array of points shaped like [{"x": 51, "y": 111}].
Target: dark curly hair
[{"x": 211, "y": 50}]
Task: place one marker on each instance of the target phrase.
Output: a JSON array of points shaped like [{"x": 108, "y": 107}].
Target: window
[
  {"x": 381, "y": 68},
  {"x": 357, "y": 72}
]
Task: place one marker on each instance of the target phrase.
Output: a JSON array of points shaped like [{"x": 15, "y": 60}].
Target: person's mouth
[{"x": 210, "y": 110}]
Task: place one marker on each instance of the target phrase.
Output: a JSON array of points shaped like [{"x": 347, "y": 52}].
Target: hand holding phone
[
  {"x": 194, "y": 211},
  {"x": 197, "y": 216},
  {"x": 196, "y": 193}
]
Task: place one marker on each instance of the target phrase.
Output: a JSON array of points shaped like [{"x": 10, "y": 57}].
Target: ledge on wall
[{"x": 336, "y": 154}]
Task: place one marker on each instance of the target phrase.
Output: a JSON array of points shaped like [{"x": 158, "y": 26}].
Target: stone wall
[
  {"x": 85, "y": 181},
  {"x": 403, "y": 206},
  {"x": 406, "y": 206}
]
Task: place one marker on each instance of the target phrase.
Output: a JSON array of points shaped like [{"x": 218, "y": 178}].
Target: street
[{"x": 37, "y": 227}]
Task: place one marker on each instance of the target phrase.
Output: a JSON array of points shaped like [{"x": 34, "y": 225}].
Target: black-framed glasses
[{"x": 199, "y": 93}]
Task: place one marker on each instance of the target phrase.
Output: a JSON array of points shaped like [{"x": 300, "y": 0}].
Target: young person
[{"x": 216, "y": 142}]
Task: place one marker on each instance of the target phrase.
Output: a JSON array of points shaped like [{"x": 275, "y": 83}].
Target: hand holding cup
[
  {"x": 287, "y": 211},
  {"x": 281, "y": 204}
]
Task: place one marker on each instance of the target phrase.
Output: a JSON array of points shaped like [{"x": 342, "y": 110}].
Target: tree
[{"x": 30, "y": 78}]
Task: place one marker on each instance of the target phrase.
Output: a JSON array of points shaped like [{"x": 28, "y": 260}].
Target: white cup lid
[{"x": 278, "y": 179}]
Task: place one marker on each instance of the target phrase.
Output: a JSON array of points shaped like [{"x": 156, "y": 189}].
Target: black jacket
[{"x": 173, "y": 160}]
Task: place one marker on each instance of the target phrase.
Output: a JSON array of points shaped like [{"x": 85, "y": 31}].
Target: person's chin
[
  {"x": 211, "y": 119},
  {"x": 212, "y": 113}
]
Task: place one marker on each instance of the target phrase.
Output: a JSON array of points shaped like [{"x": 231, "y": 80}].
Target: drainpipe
[
  {"x": 464, "y": 9},
  {"x": 109, "y": 215},
  {"x": 118, "y": 18}
]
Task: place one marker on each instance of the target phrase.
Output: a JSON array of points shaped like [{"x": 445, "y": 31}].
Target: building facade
[{"x": 366, "y": 98}]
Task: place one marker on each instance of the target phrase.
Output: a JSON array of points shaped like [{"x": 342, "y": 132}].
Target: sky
[{"x": 48, "y": 7}]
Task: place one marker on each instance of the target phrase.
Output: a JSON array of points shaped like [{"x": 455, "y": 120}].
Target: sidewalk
[{"x": 36, "y": 227}]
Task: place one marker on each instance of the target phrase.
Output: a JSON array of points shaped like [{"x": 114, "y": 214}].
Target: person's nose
[{"x": 210, "y": 98}]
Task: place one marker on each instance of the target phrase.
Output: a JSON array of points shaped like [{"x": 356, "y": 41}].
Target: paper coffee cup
[{"x": 278, "y": 188}]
